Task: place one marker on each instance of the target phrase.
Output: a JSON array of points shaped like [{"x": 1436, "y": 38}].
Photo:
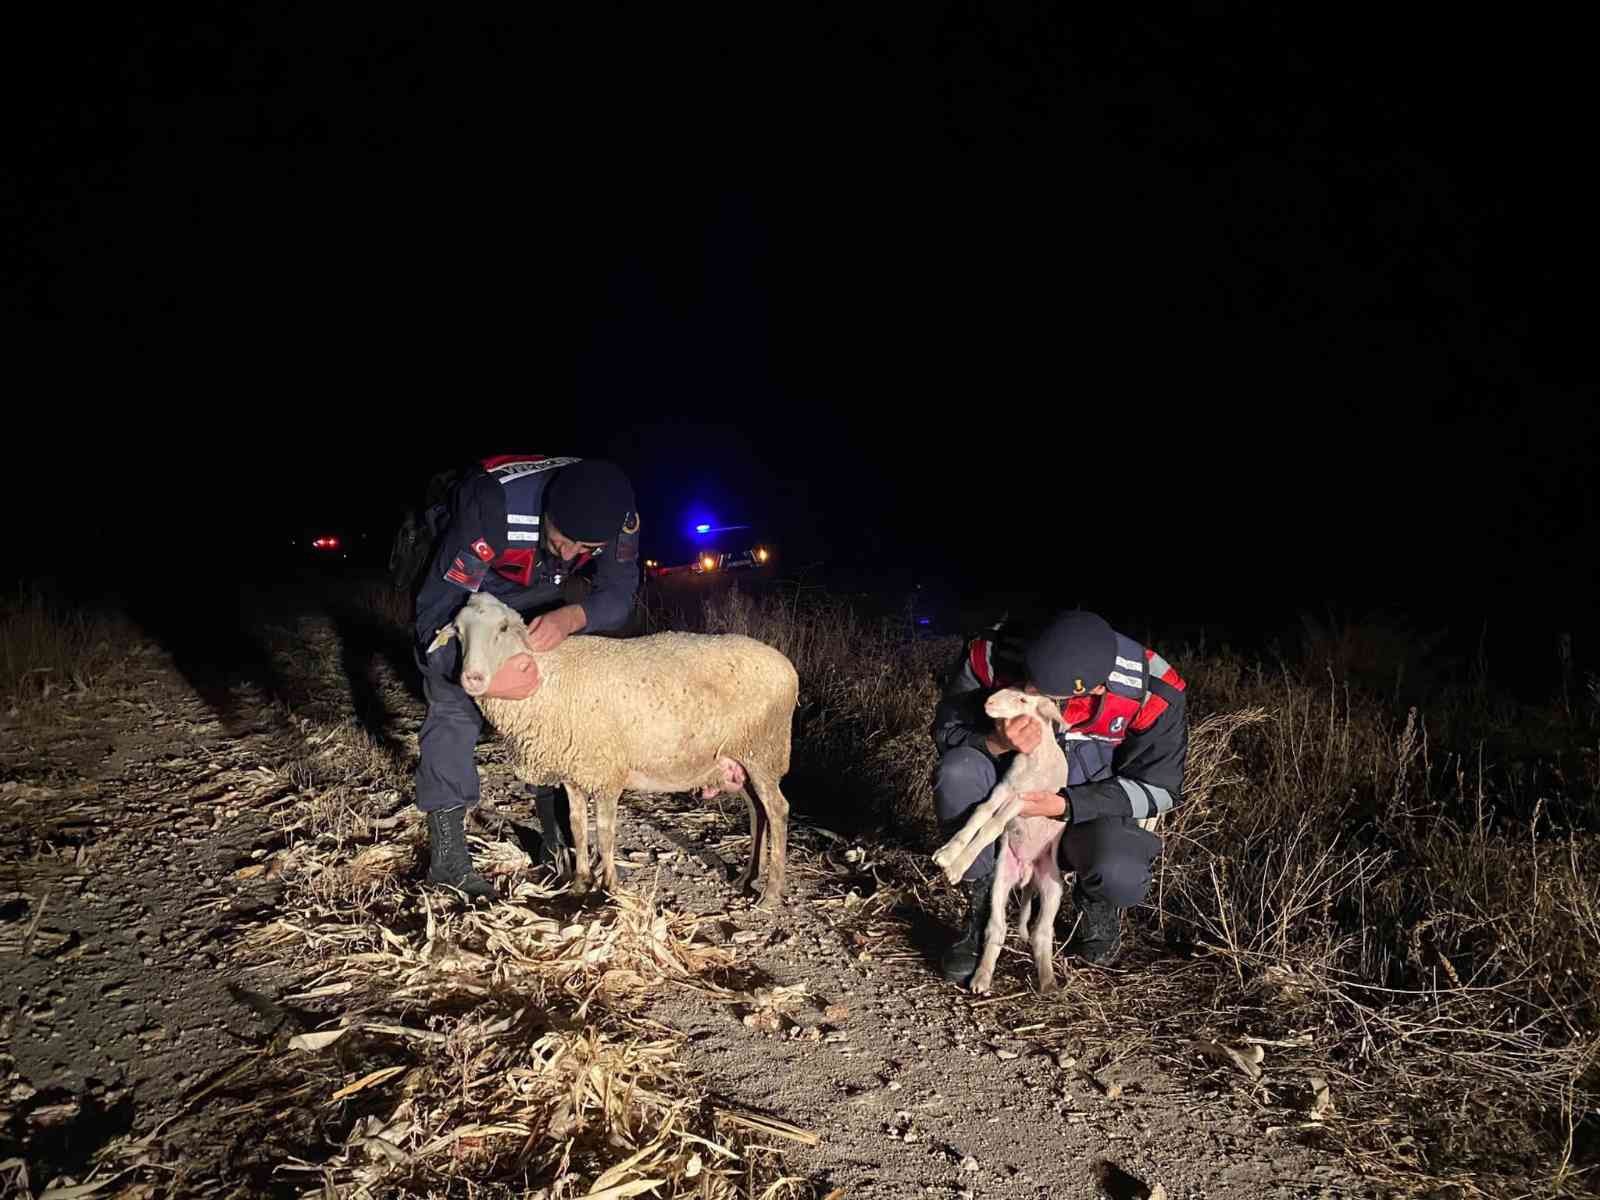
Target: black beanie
[
  {"x": 1075, "y": 653},
  {"x": 589, "y": 500}
]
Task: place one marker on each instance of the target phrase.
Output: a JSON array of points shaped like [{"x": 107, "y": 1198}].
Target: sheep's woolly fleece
[{"x": 669, "y": 705}]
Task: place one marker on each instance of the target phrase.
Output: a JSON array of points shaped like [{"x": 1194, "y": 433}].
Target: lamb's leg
[
  {"x": 1027, "y": 892},
  {"x": 605, "y": 820},
  {"x": 582, "y": 880},
  {"x": 757, "y": 824},
  {"x": 1009, "y": 804},
  {"x": 776, "y": 808},
  {"x": 1047, "y": 880},
  {"x": 1005, "y": 877},
  {"x": 951, "y": 850}
]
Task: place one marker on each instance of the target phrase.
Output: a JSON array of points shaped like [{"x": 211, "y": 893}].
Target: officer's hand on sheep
[
  {"x": 1020, "y": 733},
  {"x": 516, "y": 680},
  {"x": 549, "y": 630}
]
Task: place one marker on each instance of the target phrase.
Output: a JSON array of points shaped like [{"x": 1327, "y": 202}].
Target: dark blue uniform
[{"x": 492, "y": 541}]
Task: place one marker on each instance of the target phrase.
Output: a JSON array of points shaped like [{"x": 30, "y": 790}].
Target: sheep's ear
[
  {"x": 1048, "y": 711},
  {"x": 442, "y": 638}
]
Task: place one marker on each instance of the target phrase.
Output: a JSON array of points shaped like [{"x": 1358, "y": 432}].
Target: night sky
[{"x": 1196, "y": 315}]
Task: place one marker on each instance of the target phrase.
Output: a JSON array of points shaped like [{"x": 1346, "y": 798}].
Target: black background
[{"x": 1211, "y": 316}]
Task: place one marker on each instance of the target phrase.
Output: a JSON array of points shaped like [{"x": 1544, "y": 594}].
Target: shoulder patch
[{"x": 467, "y": 571}]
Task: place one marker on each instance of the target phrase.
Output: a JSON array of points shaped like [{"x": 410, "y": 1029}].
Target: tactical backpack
[{"x": 415, "y": 540}]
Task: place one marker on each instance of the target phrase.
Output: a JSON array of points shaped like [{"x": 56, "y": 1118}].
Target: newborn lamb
[{"x": 1027, "y": 857}]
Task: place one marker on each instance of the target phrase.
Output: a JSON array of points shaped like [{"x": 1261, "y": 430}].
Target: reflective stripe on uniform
[{"x": 1144, "y": 799}]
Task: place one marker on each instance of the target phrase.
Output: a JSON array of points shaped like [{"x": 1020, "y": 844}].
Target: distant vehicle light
[
  {"x": 650, "y": 562},
  {"x": 325, "y": 543},
  {"x": 708, "y": 562},
  {"x": 761, "y": 554}
]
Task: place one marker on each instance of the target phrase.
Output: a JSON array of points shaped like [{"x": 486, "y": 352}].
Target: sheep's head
[
  {"x": 492, "y": 634},
  {"x": 1013, "y": 702}
]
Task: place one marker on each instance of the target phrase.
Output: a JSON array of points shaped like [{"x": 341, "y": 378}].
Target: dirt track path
[{"x": 126, "y": 816}]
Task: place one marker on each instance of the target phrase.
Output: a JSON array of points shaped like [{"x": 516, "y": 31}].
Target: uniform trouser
[
  {"x": 1111, "y": 856},
  {"x": 447, "y": 775}
]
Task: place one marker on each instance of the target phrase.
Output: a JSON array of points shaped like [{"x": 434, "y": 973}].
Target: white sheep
[
  {"x": 672, "y": 712},
  {"x": 1026, "y": 858}
]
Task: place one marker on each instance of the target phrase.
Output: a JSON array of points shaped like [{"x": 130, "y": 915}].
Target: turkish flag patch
[
  {"x": 483, "y": 550},
  {"x": 466, "y": 572}
]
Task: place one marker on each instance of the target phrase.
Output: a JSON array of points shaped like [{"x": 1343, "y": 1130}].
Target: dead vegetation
[
  {"x": 422, "y": 1046},
  {"x": 1390, "y": 942},
  {"x": 1409, "y": 936},
  {"x": 48, "y": 648}
]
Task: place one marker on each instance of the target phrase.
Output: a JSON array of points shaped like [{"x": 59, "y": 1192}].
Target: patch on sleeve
[
  {"x": 628, "y": 539},
  {"x": 468, "y": 572},
  {"x": 483, "y": 550}
]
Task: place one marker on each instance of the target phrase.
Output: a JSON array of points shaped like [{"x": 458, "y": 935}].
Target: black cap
[
  {"x": 1074, "y": 654},
  {"x": 589, "y": 500}
]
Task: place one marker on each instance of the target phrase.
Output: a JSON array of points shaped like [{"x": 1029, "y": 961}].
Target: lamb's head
[
  {"x": 1013, "y": 702},
  {"x": 491, "y": 632}
]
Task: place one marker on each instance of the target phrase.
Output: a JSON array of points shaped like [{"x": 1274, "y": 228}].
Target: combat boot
[
  {"x": 1097, "y": 939},
  {"x": 451, "y": 864},
  {"x": 960, "y": 959}
]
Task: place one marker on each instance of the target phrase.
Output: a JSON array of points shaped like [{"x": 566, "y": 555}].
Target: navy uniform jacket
[{"x": 492, "y": 541}]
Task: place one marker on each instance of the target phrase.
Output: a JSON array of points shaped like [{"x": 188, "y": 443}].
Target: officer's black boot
[
  {"x": 451, "y": 864},
  {"x": 1098, "y": 936},
  {"x": 555, "y": 826},
  {"x": 960, "y": 960}
]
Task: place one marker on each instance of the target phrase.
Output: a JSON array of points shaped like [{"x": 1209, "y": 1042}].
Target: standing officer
[{"x": 517, "y": 527}]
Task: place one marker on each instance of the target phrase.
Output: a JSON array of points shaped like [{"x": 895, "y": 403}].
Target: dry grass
[
  {"x": 428, "y": 1048},
  {"x": 47, "y": 648},
  {"x": 1409, "y": 930},
  {"x": 501, "y": 1047},
  {"x": 1439, "y": 935},
  {"x": 1405, "y": 929}
]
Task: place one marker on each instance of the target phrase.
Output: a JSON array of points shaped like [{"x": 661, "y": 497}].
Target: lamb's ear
[
  {"x": 1048, "y": 711},
  {"x": 442, "y": 638}
]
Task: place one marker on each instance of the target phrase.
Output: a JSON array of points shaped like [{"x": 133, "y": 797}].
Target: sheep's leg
[
  {"x": 605, "y": 822},
  {"x": 951, "y": 850},
  {"x": 757, "y": 821},
  {"x": 956, "y": 855},
  {"x": 1047, "y": 880},
  {"x": 1025, "y": 909},
  {"x": 582, "y": 880},
  {"x": 776, "y": 808},
  {"x": 1005, "y": 878},
  {"x": 993, "y": 825}
]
